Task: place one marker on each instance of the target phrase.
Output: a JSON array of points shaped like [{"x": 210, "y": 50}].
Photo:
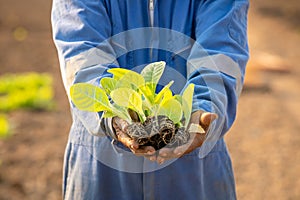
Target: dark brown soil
[
  {"x": 155, "y": 131},
  {"x": 264, "y": 141}
]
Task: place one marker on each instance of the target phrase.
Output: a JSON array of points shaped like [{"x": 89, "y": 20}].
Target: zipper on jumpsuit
[
  {"x": 151, "y": 17},
  {"x": 151, "y": 12},
  {"x": 149, "y": 182}
]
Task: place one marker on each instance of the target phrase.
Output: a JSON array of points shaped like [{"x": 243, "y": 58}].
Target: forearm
[
  {"x": 84, "y": 51},
  {"x": 217, "y": 61}
]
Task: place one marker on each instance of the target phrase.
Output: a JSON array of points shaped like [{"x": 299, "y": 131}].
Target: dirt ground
[{"x": 264, "y": 141}]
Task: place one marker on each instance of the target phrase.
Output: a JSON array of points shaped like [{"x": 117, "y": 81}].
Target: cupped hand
[
  {"x": 120, "y": 127},
  {"x": 204, "y": 119}
]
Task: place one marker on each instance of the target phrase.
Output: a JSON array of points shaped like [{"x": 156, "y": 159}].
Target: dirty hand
[
  {"x": 120, "y": 127},
  {"x": 195, "y": 141}
]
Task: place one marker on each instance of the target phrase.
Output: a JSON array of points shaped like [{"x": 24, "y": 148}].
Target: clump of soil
[
  {"x": 181, "y": 137},
  {"x": 157, "y": 132}
]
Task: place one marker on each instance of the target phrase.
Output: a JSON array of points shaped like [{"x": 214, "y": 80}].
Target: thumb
[
  {"x": 120, "y": 127},
  {"x": 207, "y": 118},
  {"x": 120, "y": 123}
]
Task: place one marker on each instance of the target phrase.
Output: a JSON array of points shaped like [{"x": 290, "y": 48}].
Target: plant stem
[{"x": 142, "y": 117}]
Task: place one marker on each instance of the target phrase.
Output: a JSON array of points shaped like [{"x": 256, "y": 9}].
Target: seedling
[{"x": 162, "y": 118}]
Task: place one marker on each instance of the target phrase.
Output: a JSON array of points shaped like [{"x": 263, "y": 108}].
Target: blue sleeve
[
  {"x": 217, "y": 61},
  {"x": 81, "y": 30}
]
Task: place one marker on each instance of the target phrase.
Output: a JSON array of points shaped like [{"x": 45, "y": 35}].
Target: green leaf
[
  {"x": 152, "y": 73},
  {"x": 160, "y": 95},
  {"x": 118, "y": 72},
  {"x": 178, "y": 98},
  {"x": 120, "y": 112},
  {"x": 89, "y": 97},
  {"x": 108, "y": 84},
  {"x": 187, "y": 102},
  {"x": 128, "y": 98},
  {"x": 127, "y": 78},
  {"x": 167, "y": 96},
  {"x": 131, "y": 80},
  {"x": 107, "y": 114},
  {"x": 148, "y": 94},
  {"x": 172, "y": 109}
]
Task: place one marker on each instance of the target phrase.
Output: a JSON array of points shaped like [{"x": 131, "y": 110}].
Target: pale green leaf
[
  {"x": 187, "y": 102},
  {"x": 127, "y": 78},
  {"x": 108, "y": 84},
  {"x": 167, "y": 96},
  {"x": 178, "y": 97},
  {"x": 172, "y": 109},
  {"x": 160, "y": 95},
  {"x": 153, "y": 72},
  {"x": 121, "y": 112},
  {"x": 128, "y": 98},
  {"x": 131, "y": 80},
  {"x": 147, "y": 93},
  {"x": 108, "y": 114},
  {"x": 118, "y": 72},
  {"x": 89, "y": 97}
]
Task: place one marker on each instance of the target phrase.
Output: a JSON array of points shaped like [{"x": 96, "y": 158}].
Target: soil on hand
[{"x": 155, "y": 131}]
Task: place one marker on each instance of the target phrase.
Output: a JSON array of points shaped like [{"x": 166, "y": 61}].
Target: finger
[
  {"x": 195, "y": 117},
  {"x": 151, "y": 158},
  {"x": 166, "y": 152},
  {"x": 120, "y": 127},
  {"x": 144, "y": 151},
  {"x": 206, "y": 119},
  {"x": 166, "y": 156},
  {"x": 186, "y": 148},
  {"x": 160, "y": 160},
  {"x": 194, "y": 142},
  {"x": 121, "y": 123},
  {"x": 171, "y": 153},
  {"x": 126, "y": 140}
]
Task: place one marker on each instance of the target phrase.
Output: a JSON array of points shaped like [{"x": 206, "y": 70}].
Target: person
[{"x": 203, "y": 42}]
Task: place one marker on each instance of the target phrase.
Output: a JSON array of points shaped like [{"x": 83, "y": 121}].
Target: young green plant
[{"x": 129, "y": 90}]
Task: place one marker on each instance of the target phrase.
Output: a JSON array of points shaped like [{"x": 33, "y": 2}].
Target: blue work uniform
[{"x": 202, "y": 42}]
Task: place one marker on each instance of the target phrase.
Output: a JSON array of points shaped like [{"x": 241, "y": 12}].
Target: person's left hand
[
  {"x": 196, "y": 139},
  {"x": 120, "y": 127}
]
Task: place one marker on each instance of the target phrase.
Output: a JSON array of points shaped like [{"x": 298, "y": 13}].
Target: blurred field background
[{"x": 264, "y": 141}]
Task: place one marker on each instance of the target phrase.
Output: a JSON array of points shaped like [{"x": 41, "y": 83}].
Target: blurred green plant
[
  {"x": 24, "y": 91},
  {"x": 4, "y": 127},
  {"x": 29, "y": 90}
]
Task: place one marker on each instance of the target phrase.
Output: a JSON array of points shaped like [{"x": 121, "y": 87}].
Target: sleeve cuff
[{"x": 109, "y": 130}]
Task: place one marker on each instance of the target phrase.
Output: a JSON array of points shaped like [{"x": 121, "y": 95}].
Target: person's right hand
[
  {"x": 204, "y": 119},
  {"x": 120, "y": 127}
]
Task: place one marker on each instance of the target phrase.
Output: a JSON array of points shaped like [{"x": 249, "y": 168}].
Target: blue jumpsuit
[{"x": 202, "y": 42}]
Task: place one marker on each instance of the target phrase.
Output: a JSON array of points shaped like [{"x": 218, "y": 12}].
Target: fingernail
[
  {"x": 149, "y": 153},
  {"x": 160, "y": 161},
  {"x": 152, "y": 159},
  {"x": 178, "y": 153}
]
